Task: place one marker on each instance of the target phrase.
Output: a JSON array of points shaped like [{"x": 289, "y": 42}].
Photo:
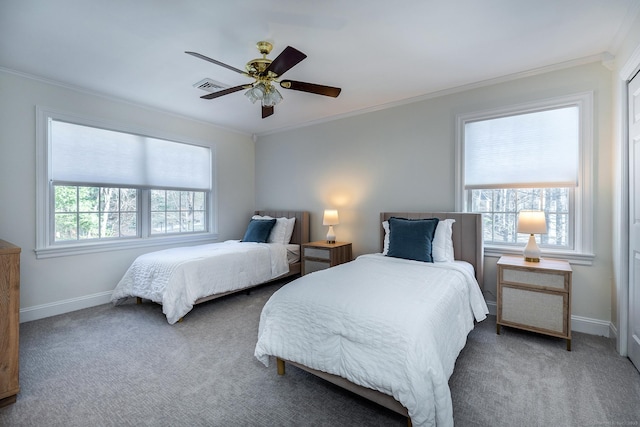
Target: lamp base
[
  {"x": 331, "y": 237},
  {"x": 531, "y": 251}
]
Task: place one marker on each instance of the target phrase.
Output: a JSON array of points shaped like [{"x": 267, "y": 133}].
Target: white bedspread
[
  {"x": 393, "y": 325},
  {"x": 177, "y": 277}
]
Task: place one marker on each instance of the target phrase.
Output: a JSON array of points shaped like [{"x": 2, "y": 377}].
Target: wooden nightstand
[
  {"x": 535, "y": 296},
  {"x": 320, "y": 255}
]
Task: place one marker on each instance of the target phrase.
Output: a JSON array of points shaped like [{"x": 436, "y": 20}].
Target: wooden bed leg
[
  {"x": 409, "y": 422},
  {"x": 180, "y": 320},
  {"x": 280, "y": 365},
  {"x": 138, "y": 300}
]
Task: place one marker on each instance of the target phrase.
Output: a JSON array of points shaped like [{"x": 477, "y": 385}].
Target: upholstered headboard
[
  {"x": 468, "y": 242},
  {"x": 300, "y": 228}
]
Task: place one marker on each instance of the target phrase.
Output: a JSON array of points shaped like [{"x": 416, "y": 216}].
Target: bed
[
  {"x": 179, "y": 278},
  {"x": 387, "y": 328}
]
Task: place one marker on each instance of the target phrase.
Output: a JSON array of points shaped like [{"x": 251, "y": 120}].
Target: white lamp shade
[
  {"x": 532, "y": 222},
  {"x": 330, "y": 217}
]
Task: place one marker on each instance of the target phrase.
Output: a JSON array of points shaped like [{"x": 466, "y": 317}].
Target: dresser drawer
[
  {"x": 545, "y": 311},
  {"x": 535, "y": 278},
  {"x": 319, "y": 253},
  {"x": 311, "y": 266}
]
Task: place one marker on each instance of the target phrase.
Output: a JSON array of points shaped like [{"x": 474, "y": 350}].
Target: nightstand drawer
[
  {"x": 317, "y": 253},
  {"x": 311, "y": 266},
  {"x": 535, "y": 278},
  {"x": 536, "y": 310}
]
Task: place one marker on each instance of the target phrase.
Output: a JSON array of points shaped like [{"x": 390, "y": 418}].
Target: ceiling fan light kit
[{"x": 265, "y": 72}]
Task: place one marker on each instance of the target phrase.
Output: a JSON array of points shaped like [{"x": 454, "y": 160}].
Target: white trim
[
  {"x": 581, "y": 324},
  {"x": 590, "y": 326},
  {"x": 65, "y": 306},
  {"x": 613, "y": 332},
  {"x": 602, "y": 57},
  {"x": 583, "y": 240},
  {"x": 110, "y": 97},
  {"x": 574, "y": 258},
  {"x": 627, "y": 71},
  {"x": 116, "y": 245},
  {"x": 44, "y": 202}
]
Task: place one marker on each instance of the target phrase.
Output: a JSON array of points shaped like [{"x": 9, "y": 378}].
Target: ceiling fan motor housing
[{"x": 260, "y": 65}]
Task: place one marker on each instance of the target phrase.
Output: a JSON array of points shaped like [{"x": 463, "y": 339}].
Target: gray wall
[
  {"x": 403, "y": 159},
  {"x": 56, "y": 285}
]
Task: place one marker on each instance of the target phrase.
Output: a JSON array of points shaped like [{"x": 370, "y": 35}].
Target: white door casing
[{"x": 633, "y": 340}]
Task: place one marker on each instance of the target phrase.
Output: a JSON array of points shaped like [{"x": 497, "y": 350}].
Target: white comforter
[
  {"x": 177, "y": 277},
  {"x": 393, "y": 325}
]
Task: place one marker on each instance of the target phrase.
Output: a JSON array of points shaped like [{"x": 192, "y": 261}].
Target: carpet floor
[{"x": 126, "y": 366}]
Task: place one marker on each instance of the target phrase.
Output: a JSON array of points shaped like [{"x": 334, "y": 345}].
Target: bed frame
[{"x": 467, "y": 245}]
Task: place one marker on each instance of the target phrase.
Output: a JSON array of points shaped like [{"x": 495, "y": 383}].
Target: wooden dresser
[{"x": 9, "y": 321}]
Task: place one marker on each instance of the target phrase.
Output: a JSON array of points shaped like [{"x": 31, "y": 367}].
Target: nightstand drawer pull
[
  {"x": 535, "y": 309},
  {"x": 317, "y": 253},
  {"x": 534, "y": 278}
]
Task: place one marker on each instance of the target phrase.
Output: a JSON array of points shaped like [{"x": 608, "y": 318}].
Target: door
[{"x": 634, "y": 221}]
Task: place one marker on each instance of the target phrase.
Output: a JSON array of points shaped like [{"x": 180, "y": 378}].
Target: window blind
[
  {"x": 83, "y": 154},
  {"x": 532, "y": 150}
]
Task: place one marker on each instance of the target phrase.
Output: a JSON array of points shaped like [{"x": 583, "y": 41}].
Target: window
[
  {"x": 101, "y": 186},
  {"x": 177, "y": 211},
  {"x": 86, "y": 213},
  {"x": 535, "y": 156}
]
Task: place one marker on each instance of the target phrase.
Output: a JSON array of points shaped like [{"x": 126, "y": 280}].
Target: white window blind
[
  {"x": 83, "y": 154},
  {"x": 532, "y": 150}
]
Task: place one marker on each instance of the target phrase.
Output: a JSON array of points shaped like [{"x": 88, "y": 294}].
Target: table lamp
[
  {"x": 532, "y": 222},
  {"x": 330, "y": 218}
]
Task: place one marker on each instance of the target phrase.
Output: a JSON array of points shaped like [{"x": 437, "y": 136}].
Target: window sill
[
  {"x": 571, "y": 256},
  {"x": 118, "y": 245}
]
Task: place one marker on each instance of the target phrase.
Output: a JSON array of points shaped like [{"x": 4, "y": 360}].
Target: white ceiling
[{"x": 379, "y": 52}]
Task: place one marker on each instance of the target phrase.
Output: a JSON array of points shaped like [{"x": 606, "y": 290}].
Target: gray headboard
[
  {"x": 301, "y": 227},
  {"x": 468, "y": 242}
]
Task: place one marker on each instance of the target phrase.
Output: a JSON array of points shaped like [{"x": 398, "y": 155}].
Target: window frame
[
  {"x": 46, "y": 247},
  {"x": 583, "y": 197}
]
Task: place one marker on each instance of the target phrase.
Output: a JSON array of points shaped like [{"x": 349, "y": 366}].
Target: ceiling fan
[{"x": 265, "y": 72}]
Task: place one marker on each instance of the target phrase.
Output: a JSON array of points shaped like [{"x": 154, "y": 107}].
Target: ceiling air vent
[{"x": 210, "y": 85}]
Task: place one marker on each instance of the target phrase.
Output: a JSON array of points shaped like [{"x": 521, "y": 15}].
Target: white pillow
[
  {"x": 291, "y": 222},
  {"x": 281, "y": 231},
  {"x": 385, "y": 246},
  {"x": 441, "y": 246}
]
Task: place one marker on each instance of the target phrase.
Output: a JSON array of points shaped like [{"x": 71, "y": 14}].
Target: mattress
[
  {"x": 178, "y": 277},
  {"x": 389, "y": 324}
]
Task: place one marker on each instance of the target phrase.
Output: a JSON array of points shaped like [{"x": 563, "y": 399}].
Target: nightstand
[
  {"x": 535, "y": 296},
  {"x": 320, "y": 255}
]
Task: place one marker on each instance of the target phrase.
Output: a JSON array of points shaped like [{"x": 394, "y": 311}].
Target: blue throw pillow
[
  {"x": 258, "y": 230},
  {"x": 411, "y": 238}
]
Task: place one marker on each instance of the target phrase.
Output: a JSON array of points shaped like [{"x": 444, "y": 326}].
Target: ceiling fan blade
[
  {"x": 222, "y": 64},
  {"x": 287, "y": 59},
  {"x": 311, "y": 88},
  {"x": 266, "y": 111},
  {"x": 223, "y": 92}
]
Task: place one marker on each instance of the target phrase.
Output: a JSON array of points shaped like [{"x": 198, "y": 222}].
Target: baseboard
[
  {"x": 578, "y": 324},
  {"x": 492, "y": 308},
  {"x": 61, "y": 307},
  {"x": 613, "y": 331},
  {"x": 590, "y": 326}
]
